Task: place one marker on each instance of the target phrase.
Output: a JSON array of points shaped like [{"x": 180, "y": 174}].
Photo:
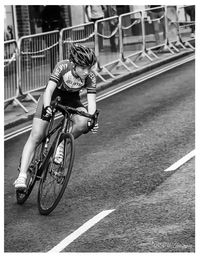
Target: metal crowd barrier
[
  {"x": 29, "y": 62},
  {"x": 10, "y": 70},
  {"x": 11, "y": 73},
  {"x": 135, "y": 42},
  {"x": 38, "y": 54},
  {"x": 127, "y": 32},
  {"x": 186, "y": 27},
  {"x": 107, "y": 41},
  {"x": 156, "y": 17},
  {"x": 131, "y": 45},
  {"x": 83, "y": 33}
]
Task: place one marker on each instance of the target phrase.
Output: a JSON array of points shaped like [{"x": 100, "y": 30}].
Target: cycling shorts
[{"x": 71, "y": 99}]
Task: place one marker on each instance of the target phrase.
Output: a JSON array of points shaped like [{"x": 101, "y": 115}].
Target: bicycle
[{"x": 53, "y": 178}]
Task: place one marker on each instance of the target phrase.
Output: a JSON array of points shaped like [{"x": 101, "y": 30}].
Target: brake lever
[{"x": 54, "y": 104}]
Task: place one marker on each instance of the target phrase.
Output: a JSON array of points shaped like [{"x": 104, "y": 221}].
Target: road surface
[{"x": 121, "y": 170}]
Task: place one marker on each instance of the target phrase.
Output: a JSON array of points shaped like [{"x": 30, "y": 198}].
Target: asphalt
[{"x": 14, "y": 115}]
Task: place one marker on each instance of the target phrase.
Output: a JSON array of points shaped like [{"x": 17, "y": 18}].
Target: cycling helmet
[{"x": 82, "y": 56}]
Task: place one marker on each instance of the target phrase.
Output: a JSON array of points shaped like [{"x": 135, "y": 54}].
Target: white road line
[
  {"x": 111, "y": 92},
  {"x": 144, "y": 78},
  {"x": 90, "y": 223},
  {"x": 181, "y": 161}
]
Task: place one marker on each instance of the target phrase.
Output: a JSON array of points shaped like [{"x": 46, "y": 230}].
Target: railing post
[
  {"x": 19, "y": 67},
  {"x": 96, "y": 44},
  {"x": 121, "y": 46},
  {"x": 61, "y": 45},
  {"x": 166, "y": 27},
  {"x": 143, "y": 32}
]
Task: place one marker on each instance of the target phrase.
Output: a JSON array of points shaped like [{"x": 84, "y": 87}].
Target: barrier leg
[
  {"x": 32, "y": 98},
  {"x": 20, "y": 104}
]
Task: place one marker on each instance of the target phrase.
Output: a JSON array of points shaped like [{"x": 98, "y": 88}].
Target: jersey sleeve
[
  {"x": 91, "y": 83},
  {"x": 57, "y": 72}
]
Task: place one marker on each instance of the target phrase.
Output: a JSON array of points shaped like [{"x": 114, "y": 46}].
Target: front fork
[{"x": 66, "y": 127}]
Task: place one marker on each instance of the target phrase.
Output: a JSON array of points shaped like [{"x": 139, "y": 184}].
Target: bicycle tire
[
  {"x": 22, "y": 195},
  {"x": 48, "y": 196}
]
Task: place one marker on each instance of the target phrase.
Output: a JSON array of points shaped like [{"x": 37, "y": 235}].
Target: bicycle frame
[
  {"x": 63, "y": 127},
  {"x": 44, "y": 167}
]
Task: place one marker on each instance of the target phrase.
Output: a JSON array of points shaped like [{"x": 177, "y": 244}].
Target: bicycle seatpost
[{"x": 53, "y": 105}]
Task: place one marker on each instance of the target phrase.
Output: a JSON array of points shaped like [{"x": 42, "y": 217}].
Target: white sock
[{"x": 22, "y": 175}]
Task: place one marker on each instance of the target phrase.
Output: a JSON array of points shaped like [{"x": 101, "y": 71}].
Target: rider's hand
[
  {"x": 47, "y": 113},
  {"x": 94, "y": 128}
]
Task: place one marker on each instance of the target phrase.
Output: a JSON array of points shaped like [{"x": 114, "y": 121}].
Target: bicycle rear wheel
[
  {"x": 55, "y": 177},
  {"x": 22, "y": 195}
]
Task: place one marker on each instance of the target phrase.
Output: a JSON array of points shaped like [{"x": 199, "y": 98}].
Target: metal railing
[
  {"x": 83, "y": 33},
  {"x": 38, "y": 54},
  {"x": 29, "y": 62},
  {"x": 107, "y": 41},
  {"x": 127, "y": 33},
  {"x": 10, "y": 70},
  {"x": 185, "y": 26},
  {"x": 11, "y": 73}
]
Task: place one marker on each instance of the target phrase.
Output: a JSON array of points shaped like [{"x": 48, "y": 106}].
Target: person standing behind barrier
[
  {"x": 172, "y": 23},
  {"x": 190, "y": 10},
  {"x": 157, "y": 14},
  {"x": 122, "y": 9},
  {"x": 112, "y": 11},
  {"x": 95, "y": 13},
  {"x": 52, "y": 20}
]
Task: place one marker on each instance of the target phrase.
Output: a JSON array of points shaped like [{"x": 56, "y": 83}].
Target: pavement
[{"x": 14, "y": 115}]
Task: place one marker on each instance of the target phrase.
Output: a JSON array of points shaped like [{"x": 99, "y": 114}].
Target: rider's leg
[
  {"x": 80, "y": 124},
  {"x": 38, "y": 130}
]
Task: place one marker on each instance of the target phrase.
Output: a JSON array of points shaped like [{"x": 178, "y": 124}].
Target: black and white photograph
[{"x": 99, "y": 129}]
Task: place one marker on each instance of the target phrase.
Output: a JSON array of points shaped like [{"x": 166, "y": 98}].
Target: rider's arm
[
  {"x": 91, "y": 98},
  {"x": 48, "y": 92},
  {"x": 91, "y": 92},
  {"x": 53, "y": 82}
]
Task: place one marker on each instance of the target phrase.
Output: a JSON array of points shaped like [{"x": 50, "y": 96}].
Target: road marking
[
  {"x": 111, "y": 92},
  {"x": 90, "y": 223},
  {"x": 181, "y": 161}
]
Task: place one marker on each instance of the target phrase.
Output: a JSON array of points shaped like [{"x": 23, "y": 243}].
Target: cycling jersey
[
  {"x": 68, "y": 86},
  {"x": 66, "y": 80}
]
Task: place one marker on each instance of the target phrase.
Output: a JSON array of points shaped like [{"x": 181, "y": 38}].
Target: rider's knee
[
  {"x": 81, "y": 124},
  {"x": 35, "y": 136}
]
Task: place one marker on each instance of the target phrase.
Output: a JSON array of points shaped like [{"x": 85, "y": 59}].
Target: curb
[
  {"x": 139, "y": 71},
  {"x": 102, "y": 86}
]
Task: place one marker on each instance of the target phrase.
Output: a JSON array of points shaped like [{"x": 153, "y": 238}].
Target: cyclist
[{"x": 67, "y": 79}]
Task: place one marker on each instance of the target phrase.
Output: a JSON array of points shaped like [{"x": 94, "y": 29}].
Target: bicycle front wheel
[
  {"x": 22, "y": 195},
  {"x": 55, "y": 177}
]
